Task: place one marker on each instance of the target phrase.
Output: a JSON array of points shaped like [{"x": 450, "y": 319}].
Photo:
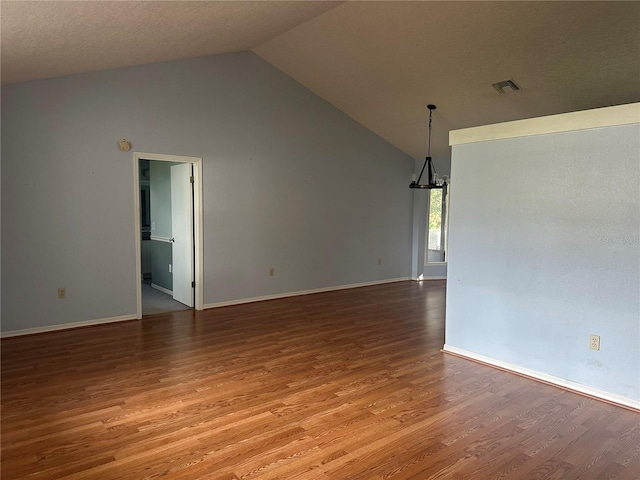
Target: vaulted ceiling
[{"x": 381, "y": 63}]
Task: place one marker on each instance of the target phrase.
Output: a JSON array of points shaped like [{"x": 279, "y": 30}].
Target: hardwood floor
[{"x": 341, "y": 385}]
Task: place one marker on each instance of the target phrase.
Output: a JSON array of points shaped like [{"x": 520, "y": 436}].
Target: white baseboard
[
  {"x": 87, "y": 323},
  {"x": 302, "y": 292},
  {"x": 162, "y": 289},
  {"x": 550, "y": 379},
  {"x": 64, "y": 326}
]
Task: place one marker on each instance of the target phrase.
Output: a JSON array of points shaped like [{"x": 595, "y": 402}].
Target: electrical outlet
[
  {"x": 62, "y": 293},
  {"x": 272, "y": 272},
  {"x": 169, "y": 268},
  {"x": 594, "y": 342}
]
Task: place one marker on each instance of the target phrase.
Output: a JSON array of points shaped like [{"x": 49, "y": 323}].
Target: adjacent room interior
[
  {"x": 167, "y": 249},
  {"x": 238, "y": 241}
]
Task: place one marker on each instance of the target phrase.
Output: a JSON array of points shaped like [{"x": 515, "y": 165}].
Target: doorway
[
  {"x": 436, "y": 235},
  {"x": 172, "y": 251}
]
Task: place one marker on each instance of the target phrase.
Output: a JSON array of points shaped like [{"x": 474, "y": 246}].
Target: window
[{"x": 435, "y": 250}]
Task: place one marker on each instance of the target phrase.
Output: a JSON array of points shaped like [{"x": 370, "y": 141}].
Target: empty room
[{"x": 320, "y": 240}]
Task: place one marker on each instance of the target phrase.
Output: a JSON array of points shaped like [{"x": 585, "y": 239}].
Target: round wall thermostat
[{"x": 124, "y": 145}]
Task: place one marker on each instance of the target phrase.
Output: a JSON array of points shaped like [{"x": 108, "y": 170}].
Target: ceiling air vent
[{"x": 506, "y": 86}]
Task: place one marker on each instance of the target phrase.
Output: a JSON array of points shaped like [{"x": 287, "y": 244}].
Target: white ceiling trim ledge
[{"x": 565, "y": 122}]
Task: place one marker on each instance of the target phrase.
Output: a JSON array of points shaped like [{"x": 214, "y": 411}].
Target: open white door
[{"x": 182, "y": 232}]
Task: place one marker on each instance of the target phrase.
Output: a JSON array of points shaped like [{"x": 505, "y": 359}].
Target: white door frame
[{"x": 197, "y": 221}]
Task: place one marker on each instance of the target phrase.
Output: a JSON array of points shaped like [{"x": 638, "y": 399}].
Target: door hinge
[
  {"x": 191, "y": 179},
  {"x": 193, "y": 284}
]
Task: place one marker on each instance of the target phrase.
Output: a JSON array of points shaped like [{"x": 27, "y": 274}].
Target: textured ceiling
[
  {"x": 383, "y": 62},
  {"x": 42, "y": 39},
  {"x": 379, "y": 62}
]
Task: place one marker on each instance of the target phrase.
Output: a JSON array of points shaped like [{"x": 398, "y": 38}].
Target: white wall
[
  {"x": 289, "y": 182},
  {"x": 543, "y": 251}
]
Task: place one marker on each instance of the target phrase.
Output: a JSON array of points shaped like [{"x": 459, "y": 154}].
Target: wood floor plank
[{"x": 348, "y": 384}]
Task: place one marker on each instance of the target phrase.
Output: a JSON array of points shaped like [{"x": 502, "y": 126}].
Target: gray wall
[
  {"x": 161, "y": 252},
  {"x": 161, "y": 257},
  {"x": 289, "y": 182},
  {"x": 543, "y": 251},
  {"x": 160, "y": 173}
]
